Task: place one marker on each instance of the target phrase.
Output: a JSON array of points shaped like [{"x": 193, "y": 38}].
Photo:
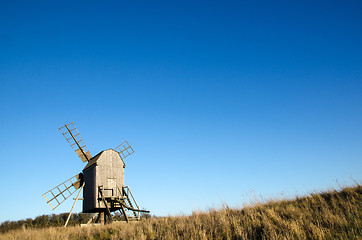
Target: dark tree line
[
  {"x": 43, "y": 221},
  {"x": 56, "y": 220}
]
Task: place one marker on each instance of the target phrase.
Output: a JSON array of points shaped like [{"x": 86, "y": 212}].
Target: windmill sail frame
[
  {"x": 60, "y": 193},
  {"x": 72, "y": 135},
  {"x": 124, "y": 149}
]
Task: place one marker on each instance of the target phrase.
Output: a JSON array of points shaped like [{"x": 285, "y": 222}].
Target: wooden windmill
[{"x": 102, "y": 182}]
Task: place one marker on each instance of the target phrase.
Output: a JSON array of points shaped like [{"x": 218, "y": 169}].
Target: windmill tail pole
[
  {"x": 137, "y": 210},
  {"x": 66, "y": 223}
]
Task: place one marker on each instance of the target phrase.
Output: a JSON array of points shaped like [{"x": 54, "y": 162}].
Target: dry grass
[{"x": 330, "y": 215}]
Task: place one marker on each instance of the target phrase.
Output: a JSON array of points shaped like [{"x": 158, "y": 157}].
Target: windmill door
[{"x": 111, "y": 189}]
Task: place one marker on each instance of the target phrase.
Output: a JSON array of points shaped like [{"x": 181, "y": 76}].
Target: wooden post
[
  {"x": 105, "y": 203},
  {"x": 102, "y": 217},
  {"x": 66, "y": 223},
  {"x": 92, "y": 218}
]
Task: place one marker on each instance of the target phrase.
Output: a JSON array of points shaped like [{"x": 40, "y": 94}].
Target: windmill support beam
[
  {"x": 105, "y": 203},
  {"x": 92, "y": 218},
  {"x": 124, "y": 213},
  {"x": 66, "y": 223}
]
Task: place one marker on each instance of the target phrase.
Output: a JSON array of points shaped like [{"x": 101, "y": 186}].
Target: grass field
[{"x": 328, "y": 215}]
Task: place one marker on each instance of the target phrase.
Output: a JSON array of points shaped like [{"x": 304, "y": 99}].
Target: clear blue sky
[{"x": 221, "y": 100}]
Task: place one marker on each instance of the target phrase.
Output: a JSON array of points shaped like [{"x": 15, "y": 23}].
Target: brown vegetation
[{"x": 330, "y": 215}]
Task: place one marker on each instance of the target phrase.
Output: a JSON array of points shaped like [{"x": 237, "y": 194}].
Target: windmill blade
[
  {"x": 70, "y": 132},
  {"x": 124, "y": 149},
  {"x": 60, "y": 193}
]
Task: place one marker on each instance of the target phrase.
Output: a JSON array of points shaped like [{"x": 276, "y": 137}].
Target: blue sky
[{"x": 222, "y": 101}]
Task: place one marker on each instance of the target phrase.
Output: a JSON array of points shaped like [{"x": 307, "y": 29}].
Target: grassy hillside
[{"x": 329, "y": 215}]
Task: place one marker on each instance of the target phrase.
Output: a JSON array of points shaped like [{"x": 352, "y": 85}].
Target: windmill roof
[{"x": 94, "y": 159}]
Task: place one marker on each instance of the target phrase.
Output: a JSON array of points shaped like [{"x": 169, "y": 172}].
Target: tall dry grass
[{"x": 329, "y": 215}]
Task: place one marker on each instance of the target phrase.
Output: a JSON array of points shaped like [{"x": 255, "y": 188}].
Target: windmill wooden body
[{"x": 102, "y": 181}]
